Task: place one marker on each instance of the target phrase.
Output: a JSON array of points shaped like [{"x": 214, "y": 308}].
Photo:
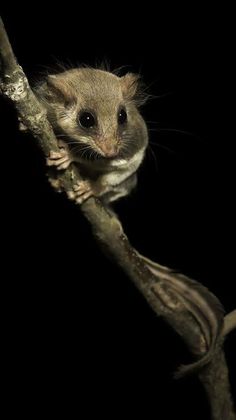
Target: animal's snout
[{"x": 109, "y": 148}]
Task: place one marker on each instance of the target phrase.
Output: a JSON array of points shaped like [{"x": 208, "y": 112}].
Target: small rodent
[{"x": 94, "y": 114}]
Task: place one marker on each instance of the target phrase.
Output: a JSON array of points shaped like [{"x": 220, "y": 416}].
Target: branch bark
[
  {"x": 110, "y": 236},
  {"x": 219, "y": 397}
]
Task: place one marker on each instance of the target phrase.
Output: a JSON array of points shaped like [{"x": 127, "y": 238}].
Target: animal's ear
[
  {"x": 58, "y": 88},
  {"x": 133, "y": 89},
  {"x": 129, "y": 85}
]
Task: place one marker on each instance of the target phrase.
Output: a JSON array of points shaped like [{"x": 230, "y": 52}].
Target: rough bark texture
[
  {"x": 215, "y": 380},
  {"x": 109, "y": 234}
]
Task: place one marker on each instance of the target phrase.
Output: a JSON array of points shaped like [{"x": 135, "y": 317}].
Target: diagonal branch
[{"x": 171, "y": 295}]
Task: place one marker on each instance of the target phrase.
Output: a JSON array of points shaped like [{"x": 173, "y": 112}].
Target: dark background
[{"x": 78, "y": 334}]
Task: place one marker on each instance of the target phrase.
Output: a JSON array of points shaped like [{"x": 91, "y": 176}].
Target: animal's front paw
[{"x": 61, "y": 160}]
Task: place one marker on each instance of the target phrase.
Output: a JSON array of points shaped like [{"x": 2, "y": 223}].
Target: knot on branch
[{"x": 16, "y": 89}]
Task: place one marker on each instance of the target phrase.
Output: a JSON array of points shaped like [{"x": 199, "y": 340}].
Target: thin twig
[{"x": 230, "y": 322}]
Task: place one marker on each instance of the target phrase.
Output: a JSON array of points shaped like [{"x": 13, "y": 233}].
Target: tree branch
[
  {"x": 230, "y": 322},
  {"x": 153, "y": 284}
]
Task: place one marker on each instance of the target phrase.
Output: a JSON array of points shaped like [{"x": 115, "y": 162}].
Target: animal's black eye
[
  {"x": 122, "y": 116},
  {"x": 86, "y": 119}
]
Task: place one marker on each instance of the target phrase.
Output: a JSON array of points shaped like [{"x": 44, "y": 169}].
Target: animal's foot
[
  {"x": 60, "y": 160},
  {"x": 83, "y": 190}
]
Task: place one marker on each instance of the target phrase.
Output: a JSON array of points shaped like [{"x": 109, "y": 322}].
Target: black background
[{"x": 78, "y": 334}]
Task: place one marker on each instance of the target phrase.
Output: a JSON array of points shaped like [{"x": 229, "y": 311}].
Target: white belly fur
[{"x": 123, "y": 169}]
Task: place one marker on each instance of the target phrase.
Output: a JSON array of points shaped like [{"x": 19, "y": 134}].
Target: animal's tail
[{"x": 200, "y": 302}]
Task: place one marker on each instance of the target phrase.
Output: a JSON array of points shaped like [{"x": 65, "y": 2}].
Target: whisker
[
  {"x": 152, "y": 122},
  {"x": 161, "y": 146},
  {"x": 91, "y": 153},
  {"x": 176, "y": 130},
  {"x": 152, "y": 154},
  {"x": 78, "y": 148}
]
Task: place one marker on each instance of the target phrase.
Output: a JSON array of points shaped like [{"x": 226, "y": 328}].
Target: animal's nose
[
  {"x": 109, "y": 148},
  {"x": 111, "y": 152}
]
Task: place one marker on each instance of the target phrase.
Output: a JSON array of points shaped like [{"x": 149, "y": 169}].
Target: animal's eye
[
  {"x": 86, "y": 119},
  {"x": 122, "y": 116}
]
